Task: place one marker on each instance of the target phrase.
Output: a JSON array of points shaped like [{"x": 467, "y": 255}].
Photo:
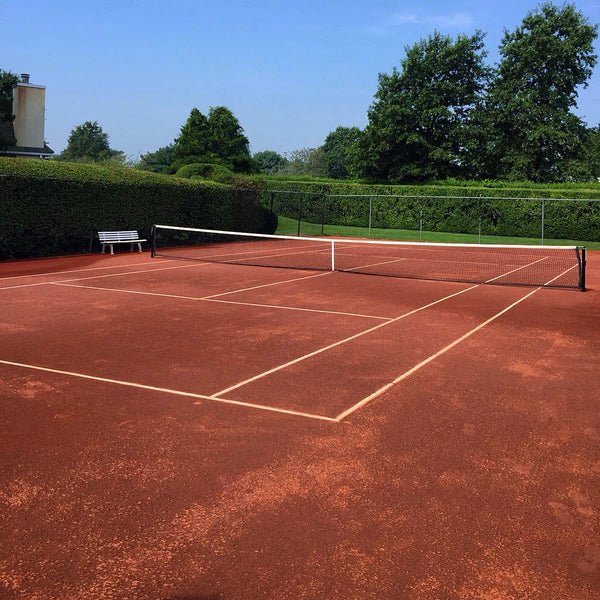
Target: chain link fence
[{"x": 420, "y": 217}]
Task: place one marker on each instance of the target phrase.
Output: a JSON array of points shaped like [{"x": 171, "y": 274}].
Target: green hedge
[
  {"x": 51, "y": 208},
  {"x": 569, "y": 212}
]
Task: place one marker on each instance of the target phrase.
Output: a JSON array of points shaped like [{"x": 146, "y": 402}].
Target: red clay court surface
[{"x": 195, "y": 431}]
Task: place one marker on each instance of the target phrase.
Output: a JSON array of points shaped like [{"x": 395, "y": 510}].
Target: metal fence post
[
  {"x": 543, "y": 209},
  {"x": 370, "y": 213},
  {"x": 299, "y": 212},
  {"x": 323, "y": 214}
]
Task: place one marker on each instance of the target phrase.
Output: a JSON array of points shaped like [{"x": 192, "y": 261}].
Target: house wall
[{"x": 28, "y": 108}]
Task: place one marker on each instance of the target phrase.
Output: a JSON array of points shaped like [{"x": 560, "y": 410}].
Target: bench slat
[{"x": 108, "y": 238}]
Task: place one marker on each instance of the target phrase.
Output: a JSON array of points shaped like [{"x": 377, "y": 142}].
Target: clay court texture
[{"x": 191, "y": 430}]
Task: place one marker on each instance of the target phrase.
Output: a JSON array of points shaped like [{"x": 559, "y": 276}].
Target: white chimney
[{"x": 28, "y": 108}]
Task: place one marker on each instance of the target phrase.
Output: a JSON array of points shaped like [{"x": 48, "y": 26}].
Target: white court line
[
  {"x": 439, "y": 353},
  {"x": 169, "y": 391},
  {"x": 523, "y": 267},
  {"x": 24, "y": 285},
  {"x": 209, "y": 299},
  {"x": 79, "y": 270},
  {"x": 389, "y": 322},
  {"x": 339, "y": 343},
  {"x": 256, "y": 287}
]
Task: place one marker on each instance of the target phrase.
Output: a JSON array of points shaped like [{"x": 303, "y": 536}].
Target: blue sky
[{"x": 290, "y": 72}]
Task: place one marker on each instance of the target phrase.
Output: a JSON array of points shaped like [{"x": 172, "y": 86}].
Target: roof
[{"x": 7, "y": 131}]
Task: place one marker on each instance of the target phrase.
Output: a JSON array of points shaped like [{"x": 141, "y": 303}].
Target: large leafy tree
[
  {"x": 89, "y": 143},
  {"x": 531, "y": 132},
  {"x": 157, "y": 162},
  {"x": 7, "y": 82},
  {"x": 269, "y": 161},
  {"x": 217, "y": 138},
  {"x": 306, "y": 161},
  {"x": 419, "y": 122},
  {"x": 339, "y": 148}
]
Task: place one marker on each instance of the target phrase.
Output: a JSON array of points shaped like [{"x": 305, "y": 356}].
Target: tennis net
[{"x": 551, "y": 266}]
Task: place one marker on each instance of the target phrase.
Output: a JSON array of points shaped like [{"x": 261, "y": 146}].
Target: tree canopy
[
  {"x": 89, "y": 143},
  {"x": 217, "y": 138},
  {"x": 7, "y": 82},
  {"x": 420, "y": 116},
  {"x": 269, "y": 161},
  {"x": 306, "y": 161},
  {"x": 158, "y": 161},
  {"x": 532, "y": 133},
  {"x": 340, "y": 148}
]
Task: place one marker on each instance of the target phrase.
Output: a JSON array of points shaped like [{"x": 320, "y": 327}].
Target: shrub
[{"x": 52, "y": 208}]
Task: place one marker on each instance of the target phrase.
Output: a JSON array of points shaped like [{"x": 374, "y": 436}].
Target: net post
[
  {"x": 581, "y": 261},
  {"x": 332, "y": 255},
  {"x": 153, "y": 241}
]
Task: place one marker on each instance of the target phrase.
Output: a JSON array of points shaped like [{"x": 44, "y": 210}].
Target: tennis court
[{"x": 210, "y": 428}]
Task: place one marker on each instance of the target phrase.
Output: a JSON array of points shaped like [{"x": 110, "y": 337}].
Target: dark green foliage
[
  {"x": 216, "y": 139},
  {"x": 89, "y": 143},
  {"x": 269, "y": 161},
  {"x": 7, "y": 82},
  {"x": 419, "y": 123},
  {"x": 529, "y": 131},
  {"x": 591, "y": 155},
  {"x": 52, "y": 208},
  {"x": 340, "y": 147},
  {"x": 203, "y": 170},
  {"x": 456, "y": 209},
  {"x": 222, "y": 174},
  {"x": 157, "y": 162},
  {"x": 306, "y": 161}
]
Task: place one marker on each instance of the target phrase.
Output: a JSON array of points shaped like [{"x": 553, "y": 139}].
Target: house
[{"x": 27, "y": 128}]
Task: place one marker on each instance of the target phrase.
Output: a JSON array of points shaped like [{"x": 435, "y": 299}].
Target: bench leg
[
  {"x": 103, "y": 248},
  {"x": 112, "y": 250},
  {"x": 139, "y": 246}
]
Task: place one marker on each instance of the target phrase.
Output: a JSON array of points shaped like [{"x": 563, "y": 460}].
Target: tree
[
  {"x": 531, "y": 132},
  {"x": 588, "y": 168},
  {"x": 217, "y": 139},
  {"x": 157, "y": 162},
  {"x": 419, "y": 122},
  {"x": 307, "y": 161},
  {"x": 7, "y": 82},
  {"x": 269, "y": 161},
  {"x": 339, "y": 147},
  {"x": 89, "y": 143}
]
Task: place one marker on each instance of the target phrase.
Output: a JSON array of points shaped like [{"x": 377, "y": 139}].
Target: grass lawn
[{"x": 287, "y": 226}]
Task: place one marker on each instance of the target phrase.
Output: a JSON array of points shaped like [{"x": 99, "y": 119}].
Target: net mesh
[{"x": 552, "y": 266}]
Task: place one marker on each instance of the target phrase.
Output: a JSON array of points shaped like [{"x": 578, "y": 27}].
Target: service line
[
  {"x": 152, "y": 388},
  {"x": 212, "y": 299},
  {"x": 439, "y": 353}
]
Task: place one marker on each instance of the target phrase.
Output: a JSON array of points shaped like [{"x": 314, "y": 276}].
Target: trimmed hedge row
[
  {"x": 464, "y": 209},
  {"x": 45, "y": 215}
]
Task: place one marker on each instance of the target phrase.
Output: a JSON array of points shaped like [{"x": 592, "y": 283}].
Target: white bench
[{"x": 108, "y": 238}]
